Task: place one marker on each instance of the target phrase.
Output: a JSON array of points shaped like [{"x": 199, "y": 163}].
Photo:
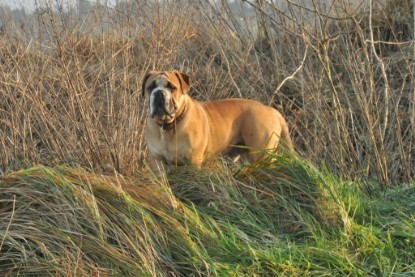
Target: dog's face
[{"x": 165, "y": 91}]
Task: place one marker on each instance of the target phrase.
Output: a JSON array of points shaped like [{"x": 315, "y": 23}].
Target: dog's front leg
[
  {"x": 197, "y": 159},
  {"x": 157, "y": 165}
]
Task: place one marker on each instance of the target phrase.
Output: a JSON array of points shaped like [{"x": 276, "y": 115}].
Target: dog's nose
[
  {"x": 158, "y": 97},
  {"x": 158, "y": 93}
]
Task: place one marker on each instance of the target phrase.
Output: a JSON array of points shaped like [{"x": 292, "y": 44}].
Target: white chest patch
[{"x": 167, "y": 147}]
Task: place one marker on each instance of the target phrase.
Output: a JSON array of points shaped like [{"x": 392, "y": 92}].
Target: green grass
[{"x": 283, "y": 217}]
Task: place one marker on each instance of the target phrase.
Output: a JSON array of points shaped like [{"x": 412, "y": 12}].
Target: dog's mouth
[
  {"x": 162, "y": 113},
  {"x": 162, "y": 110}
]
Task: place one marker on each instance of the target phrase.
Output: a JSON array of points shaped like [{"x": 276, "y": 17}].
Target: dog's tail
[{"x": 285, "y": 135}]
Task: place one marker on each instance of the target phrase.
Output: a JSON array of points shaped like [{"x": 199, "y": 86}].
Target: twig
[
  {"x": 413, "y": 94},
  {"x": 289, "y": 77},
  {"x": 384, "y": 75},
  {"x": 413, "y": 102}
]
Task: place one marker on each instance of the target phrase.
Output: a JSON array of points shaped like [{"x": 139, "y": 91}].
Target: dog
[{"x": 181, "y": 130}]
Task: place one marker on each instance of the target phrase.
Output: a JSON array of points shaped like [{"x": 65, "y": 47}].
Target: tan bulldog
[{"x": 181, "y": 130}]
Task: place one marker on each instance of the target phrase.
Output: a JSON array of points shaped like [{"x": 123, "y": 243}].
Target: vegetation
[
  {"x": 77, "y": 199},
  {"x": 291, "y": 220}
]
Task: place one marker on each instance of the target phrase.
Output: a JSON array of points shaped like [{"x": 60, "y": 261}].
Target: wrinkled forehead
[{"x": 162, "y": 79}]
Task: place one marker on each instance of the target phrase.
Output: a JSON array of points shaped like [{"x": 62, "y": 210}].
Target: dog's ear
[
  {"x": 143, "y": 85},
  {"x": 184, "y": 79}
]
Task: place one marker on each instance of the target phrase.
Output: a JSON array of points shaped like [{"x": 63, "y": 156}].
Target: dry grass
[
  {"x": 291, "y": 220},
  {"x": 70, "y": 90}
]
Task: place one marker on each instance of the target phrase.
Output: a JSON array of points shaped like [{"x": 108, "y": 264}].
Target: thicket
[{"x": 342, "y": 74}]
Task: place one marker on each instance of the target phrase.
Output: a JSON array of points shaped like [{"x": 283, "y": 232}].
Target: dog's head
[{"x": 165, "y": 91}]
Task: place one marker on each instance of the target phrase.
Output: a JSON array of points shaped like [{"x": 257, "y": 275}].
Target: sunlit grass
[{"x": 285, "y": 217}]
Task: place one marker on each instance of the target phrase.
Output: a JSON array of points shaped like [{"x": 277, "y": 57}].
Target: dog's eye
[
  {"x": 171, "y": 87},
  {"x": 152, "y": 86}
]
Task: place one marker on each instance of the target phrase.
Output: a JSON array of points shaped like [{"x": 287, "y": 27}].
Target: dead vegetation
[{"x": 342, "y": 74}]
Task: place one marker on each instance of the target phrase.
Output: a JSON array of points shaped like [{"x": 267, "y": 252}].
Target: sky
[{"x": 29, "y": 5}]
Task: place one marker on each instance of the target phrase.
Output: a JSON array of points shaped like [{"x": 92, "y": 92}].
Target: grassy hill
[{"x": 286, "y": 217}]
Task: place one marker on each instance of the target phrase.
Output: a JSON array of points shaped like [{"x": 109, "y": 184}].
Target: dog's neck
[{"x": 177, "y": 119}]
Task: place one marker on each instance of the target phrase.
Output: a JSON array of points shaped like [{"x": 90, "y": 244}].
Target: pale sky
[{"x": 29, "y": 5}]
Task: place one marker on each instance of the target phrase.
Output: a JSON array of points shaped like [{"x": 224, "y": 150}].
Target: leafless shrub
[{"x": 70, "y": 86}]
